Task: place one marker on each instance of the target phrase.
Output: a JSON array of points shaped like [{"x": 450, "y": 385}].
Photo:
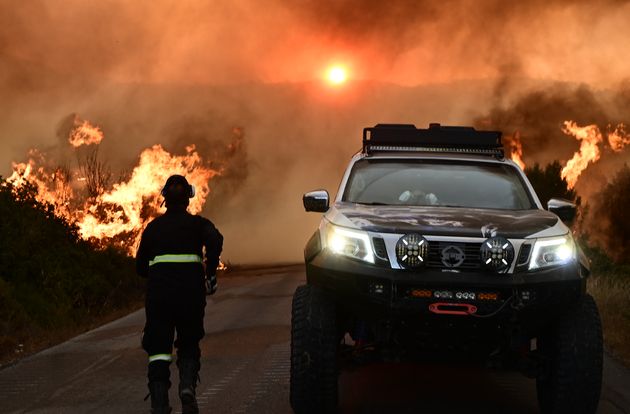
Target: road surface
[{"x": 245, "y": 367}]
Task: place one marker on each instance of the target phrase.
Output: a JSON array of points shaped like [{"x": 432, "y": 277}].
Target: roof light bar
[
  {"x": 437, "y": 138},
  {"x": 481, "y": 151}
]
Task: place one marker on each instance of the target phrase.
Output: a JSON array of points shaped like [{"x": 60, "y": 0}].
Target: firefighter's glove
[{"x": 211, "y": 284}]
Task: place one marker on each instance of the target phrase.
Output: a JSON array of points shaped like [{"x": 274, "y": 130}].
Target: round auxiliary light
[
  {"x": 412, "y": 250},
  {"x": 497, "y": 254}
]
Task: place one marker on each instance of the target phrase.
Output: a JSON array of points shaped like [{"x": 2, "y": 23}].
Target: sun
[{"x": 337, "y": 75}]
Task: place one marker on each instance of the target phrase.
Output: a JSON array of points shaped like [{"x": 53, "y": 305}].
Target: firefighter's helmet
[{"x": 177, "y": 188}]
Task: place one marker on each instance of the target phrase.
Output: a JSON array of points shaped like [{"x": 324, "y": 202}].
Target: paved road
[{"x": 245, "y": 367}]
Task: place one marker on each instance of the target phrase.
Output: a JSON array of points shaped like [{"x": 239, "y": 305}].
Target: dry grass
[
  {"x": 28, "y": 343},
  {"x": 612, "y": 294}
]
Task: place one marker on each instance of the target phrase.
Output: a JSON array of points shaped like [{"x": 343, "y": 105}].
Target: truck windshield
[{"x": 439, "y": 183}]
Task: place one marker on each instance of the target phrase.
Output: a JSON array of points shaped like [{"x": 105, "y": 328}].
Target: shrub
[
  {"x": 609, "y": 217},
  {"x": 50, "y": 279}
]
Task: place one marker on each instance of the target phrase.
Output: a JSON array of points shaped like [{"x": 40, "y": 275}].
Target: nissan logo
[{"x": 452, "y": 256}]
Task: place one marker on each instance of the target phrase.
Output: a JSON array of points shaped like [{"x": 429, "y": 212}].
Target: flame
[
  {"x": 517, "y": 150},
  {"x": 590, "y": 137},
  {"x": 51, "y": 184},
  {"x": 129, "y": 206},
  {"x": 618, "y": 138},
  {"x": 117, "y": 216},
  {"x": 84, "y": 133}
]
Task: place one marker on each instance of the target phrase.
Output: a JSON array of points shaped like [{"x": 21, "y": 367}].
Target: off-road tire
[
  {"x": 572, "y": 379},
  {"x": 314, "y": 345}
]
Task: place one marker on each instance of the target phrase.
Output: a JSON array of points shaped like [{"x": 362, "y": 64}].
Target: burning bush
[{"x": 106, "y": 213}]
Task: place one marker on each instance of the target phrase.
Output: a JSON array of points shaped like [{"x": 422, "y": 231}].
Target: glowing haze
[
  {"x": 240, "y": 94},
  {"x": 404, "y": 41}
]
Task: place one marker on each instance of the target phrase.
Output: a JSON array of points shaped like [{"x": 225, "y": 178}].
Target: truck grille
[
  {"x": 379, "y": 248},
  {"x": 448, "y": 255},
  {"x": 524, "y": 254}
]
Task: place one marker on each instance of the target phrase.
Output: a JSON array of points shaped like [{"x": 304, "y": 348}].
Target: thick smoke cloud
[
  {"x": 537, "y": 116},
  {"x": 417, "y": 41},
  {"x": 246, "y": 76},
  {"x": 45, "y": 44}
]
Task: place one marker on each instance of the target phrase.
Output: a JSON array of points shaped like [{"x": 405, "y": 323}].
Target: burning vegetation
[
  {"x": 590, "y": 138},
  {"x": 110, "y": 213},
  {"x": 582, "y": 128}
]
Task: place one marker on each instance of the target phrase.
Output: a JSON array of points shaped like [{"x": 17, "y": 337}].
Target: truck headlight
[
  {"x": 350, "y": 243},
  {"x": 552, "y": 252}
]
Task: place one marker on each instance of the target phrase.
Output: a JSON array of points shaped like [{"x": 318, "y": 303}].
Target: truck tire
[
  {"x": 314, "y": 345},
  {"x": 572, "y": 379}
]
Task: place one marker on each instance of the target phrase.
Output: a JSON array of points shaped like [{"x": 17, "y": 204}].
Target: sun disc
[{"x": 337, "y": 75}]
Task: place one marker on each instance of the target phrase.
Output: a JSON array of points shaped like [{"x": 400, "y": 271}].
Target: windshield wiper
[{"x": 374, "y": 203}]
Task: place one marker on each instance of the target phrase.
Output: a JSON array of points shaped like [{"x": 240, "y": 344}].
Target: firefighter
[{"x": 171, "y": 257}]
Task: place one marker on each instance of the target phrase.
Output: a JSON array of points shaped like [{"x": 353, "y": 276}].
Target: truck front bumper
[{"x": 531, "y": 299}]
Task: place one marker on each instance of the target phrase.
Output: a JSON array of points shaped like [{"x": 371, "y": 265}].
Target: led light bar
[
  {"x": 421, "y": 293},
  {"x": 390, "y": 148},
  {"x": 488, "y": 296},
  {"x": 437, "y": 138},
  {"x": 459, "y": 295}
]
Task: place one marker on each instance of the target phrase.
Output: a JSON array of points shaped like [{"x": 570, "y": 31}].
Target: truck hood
[{"x": 447, "y": 221}]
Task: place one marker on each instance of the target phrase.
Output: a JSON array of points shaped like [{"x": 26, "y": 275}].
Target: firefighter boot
[
  {"x": 159, "y": 397},
  {"x": 188, "y": 375}
]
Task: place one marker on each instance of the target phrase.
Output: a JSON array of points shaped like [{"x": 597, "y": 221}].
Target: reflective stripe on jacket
[{"x": 175, "y": 258}]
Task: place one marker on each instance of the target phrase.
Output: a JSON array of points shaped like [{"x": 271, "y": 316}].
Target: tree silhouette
[
  {"x": 610, "y": 217},
  {"x": 96, "y": 173},
  {"x": 548, "y": 183}
]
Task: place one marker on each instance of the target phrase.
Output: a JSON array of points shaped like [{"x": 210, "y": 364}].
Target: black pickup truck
[{"x": 437, "y": 246}]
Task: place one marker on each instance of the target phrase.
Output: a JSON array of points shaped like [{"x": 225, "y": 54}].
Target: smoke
[
  {"x": 241, "y": 81},
  {"x": 538, "y": 117},
  {"x": 270, "y": 143},
  {"x": 45, "y": 45}
]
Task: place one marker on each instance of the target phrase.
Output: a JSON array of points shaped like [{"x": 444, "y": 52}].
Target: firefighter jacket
[{"x": 172, "y": 247}]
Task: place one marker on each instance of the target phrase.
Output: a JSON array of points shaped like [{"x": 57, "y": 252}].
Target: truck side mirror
[
  {"x": 316, "y": 201},
  {"x": 564, "y": 209}
]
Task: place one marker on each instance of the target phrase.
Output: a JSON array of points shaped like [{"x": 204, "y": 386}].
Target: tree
[
  {"x": 610, "y": 219},
  {"x": 96, "y": 174},
  {"x": 548, "y": 183}
]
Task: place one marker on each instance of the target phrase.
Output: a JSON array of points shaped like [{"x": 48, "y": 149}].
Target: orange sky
[{"x": 403, "y": 42}]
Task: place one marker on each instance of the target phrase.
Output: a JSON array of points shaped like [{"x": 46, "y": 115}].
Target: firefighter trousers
[{"x": 171, "y": 311}]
